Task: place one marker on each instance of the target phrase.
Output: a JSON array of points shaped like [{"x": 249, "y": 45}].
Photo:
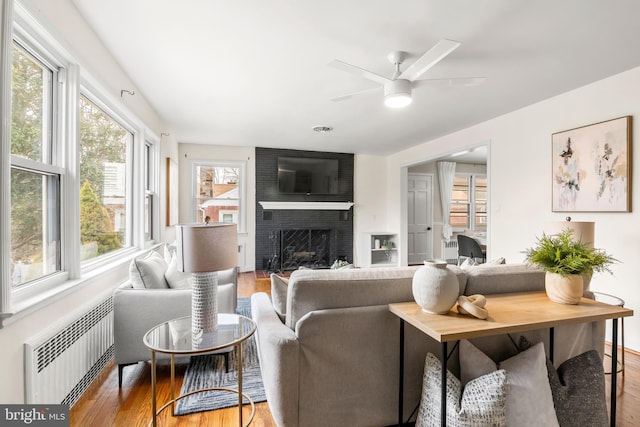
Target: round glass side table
[
  {"x": 613, "y": 300},
  {"x": 174, "y": 338}
]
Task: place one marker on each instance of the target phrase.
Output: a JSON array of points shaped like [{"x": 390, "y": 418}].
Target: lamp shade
[
  {"x": 582, "y": 231},
  {"x": 206, "y": 247}
]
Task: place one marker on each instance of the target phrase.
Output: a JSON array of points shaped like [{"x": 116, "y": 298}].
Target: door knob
[{"x": 428, "y": 228}]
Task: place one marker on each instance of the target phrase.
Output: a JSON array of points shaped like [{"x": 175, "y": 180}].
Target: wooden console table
[{"x": 508, "y": 313}]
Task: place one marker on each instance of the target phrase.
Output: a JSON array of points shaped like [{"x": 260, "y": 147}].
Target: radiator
[
  {"x": 450, "y": 251},
  {"x": 62, "y": 362}
]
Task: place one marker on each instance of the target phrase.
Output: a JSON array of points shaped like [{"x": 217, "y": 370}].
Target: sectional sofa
[{"x": 329, "y": 347}]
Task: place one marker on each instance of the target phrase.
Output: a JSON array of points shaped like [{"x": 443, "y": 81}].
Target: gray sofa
[
  {"x": 334, "y": 358},
  {"x": 135, "y": 311}
]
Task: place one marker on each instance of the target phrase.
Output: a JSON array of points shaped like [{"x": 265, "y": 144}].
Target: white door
[{"x": 420, "y": 218}]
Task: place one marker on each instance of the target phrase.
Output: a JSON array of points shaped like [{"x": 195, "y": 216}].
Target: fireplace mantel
[{"x": 326, "y": 206}]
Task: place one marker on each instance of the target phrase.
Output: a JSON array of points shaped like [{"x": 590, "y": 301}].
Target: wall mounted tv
[{"x": 306, "y": 175}]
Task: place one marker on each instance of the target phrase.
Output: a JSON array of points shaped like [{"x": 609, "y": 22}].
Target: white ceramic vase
[
  {"x": 435, "y": 287},
  {"x": 564, "y": 289}
]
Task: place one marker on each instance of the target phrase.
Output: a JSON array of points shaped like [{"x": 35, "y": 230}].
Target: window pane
[
  {"x": 148, "y": 218},
  {"x": 218, "y": 194},
  {"x": 460, "y": 189},
  {"x": 103, "y": 194},
  {"x": 35, "y": 229},
  {"x": 481, "y": 203},
  {"x": 31, "y": 99}
]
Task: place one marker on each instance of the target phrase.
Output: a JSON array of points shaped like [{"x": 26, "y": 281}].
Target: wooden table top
[{"x": 513, "y": 312}]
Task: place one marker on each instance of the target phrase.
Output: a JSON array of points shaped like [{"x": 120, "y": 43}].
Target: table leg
[
  {"x": 401, "y": 375},
  {"x": 443, "y": 388},
  {"x": 239, "y": 355},
  {"x": 173, "y": 376},
  {"x": 614, "y": 368},
  {"x": 551, "y": 343},
  {"x": 153, "y": 388}
]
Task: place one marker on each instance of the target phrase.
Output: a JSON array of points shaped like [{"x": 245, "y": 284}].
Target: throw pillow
[
  {"x": 279, "y": 289},
  {"x": 482, "y": 403},
  {"x": 177, "y": 279},
  {"x": 529, "y": 401},
  {"x": 148, "y": 272},
  {"x": 170, "y": 251},
  {"x": 468, "y": 262},
  {"x": 578, "y": 389}
]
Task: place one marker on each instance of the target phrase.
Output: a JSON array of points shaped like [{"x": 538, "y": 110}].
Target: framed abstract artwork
[{"x": 591, "y": 168}]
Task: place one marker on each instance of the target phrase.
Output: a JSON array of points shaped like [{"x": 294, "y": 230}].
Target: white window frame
[
  {"x": 471, "y": 224},
  {"x": 242, "y": 188},
  {"x": 73, "y": 79}
]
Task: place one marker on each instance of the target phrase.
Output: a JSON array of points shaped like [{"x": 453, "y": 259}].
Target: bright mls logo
[{"x": 34, "y": 415}]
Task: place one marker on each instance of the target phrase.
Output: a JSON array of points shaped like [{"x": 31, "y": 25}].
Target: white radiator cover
[
  {"x": 450, "y": 251},
  {"x": 63, "y": 361}
]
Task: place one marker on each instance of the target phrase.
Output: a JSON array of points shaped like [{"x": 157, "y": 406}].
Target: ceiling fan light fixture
[{"x": 397, "y": 93}]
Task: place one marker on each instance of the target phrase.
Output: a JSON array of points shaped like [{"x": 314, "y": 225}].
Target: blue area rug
[{"x": 208, "y": 371}]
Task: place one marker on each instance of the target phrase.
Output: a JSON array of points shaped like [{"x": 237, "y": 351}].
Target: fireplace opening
[{"x": 305, "y": 248}]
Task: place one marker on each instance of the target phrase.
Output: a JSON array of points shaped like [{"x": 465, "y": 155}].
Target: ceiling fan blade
[
  {"x": 351, "y": 95},
  {"x": 434, "y": 55},
  {"x": 463, "y": 81},
  {"x": 358, "y": 71}
]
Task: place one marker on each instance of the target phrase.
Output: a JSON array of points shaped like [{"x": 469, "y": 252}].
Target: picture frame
[
  {"x": 591, "y": 167},
  {"x": 172, "y": 192}
]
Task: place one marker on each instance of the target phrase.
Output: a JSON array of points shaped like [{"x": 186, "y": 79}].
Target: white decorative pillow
[
  {"x": 468, "y": 262},
  {"x": 177, "y": 279},
  {"x": 482, "y": 404},
  {"x": 170, "y": 252},
  {"x": 279, "y": 289},
  {"x": 529, "y": 401},
  {"x": 148, "y": 272}
]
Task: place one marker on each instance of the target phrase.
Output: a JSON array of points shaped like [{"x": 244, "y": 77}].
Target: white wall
[
  {"x": 62, "y": 20},
  {"x": 370, "y": 188},
  {"x": 519, "y": 173},
  {"x": 192, "y": 152}
]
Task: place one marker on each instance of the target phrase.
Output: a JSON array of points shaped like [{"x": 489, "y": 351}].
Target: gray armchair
[{"x": 138, "y": 310}]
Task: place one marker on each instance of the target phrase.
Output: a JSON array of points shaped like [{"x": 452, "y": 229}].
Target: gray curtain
[{"x": 446, "y": 174}]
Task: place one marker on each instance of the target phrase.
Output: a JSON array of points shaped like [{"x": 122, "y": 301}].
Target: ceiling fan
[{"x": 397, "y": 89}]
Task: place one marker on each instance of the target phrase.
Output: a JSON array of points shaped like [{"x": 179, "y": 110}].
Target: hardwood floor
[{"x": 104, "y": 404}]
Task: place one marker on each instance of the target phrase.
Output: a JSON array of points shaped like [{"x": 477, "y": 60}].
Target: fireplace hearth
[{"x": 305, "y": 248}]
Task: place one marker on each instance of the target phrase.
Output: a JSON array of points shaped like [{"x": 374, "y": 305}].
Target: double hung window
[
  {"x": 219, "y": 192},
  {"x": 469, "y": 203},
  {"x": 83, "y": 172},
  {"x": 35, "y": 168}
]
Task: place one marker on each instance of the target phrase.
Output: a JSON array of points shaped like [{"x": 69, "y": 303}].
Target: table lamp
[
  {"x": 203, "y": 250},
  {"x": 582, "y": 231}
]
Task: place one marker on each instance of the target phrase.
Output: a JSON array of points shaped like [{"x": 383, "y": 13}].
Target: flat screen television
[{"x": 298, "y": 175}]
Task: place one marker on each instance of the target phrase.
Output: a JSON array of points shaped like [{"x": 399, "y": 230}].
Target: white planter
[
  {"x": 564, "y": 289},
  {"x": 435, "y": 287}
]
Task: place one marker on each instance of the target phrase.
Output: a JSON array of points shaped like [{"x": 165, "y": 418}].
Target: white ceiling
[{"x": 254, "y": 72}]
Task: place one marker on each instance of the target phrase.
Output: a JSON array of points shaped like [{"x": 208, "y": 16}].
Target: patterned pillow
[{"x": 482, "y": 403}]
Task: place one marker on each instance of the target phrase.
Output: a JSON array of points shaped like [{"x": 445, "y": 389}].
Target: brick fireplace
[{"x": 302, "y": 230}]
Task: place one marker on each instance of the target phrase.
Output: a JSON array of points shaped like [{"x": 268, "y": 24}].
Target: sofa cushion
[
  {"x": 529, "y": 400},
  {"x": 482, "y": 402},
  {"x": 503, "y": 278},
  {"x": 279, "y": 288},
  {"x": 311, "y": 290},
  {"x": 148, "y": 272}
]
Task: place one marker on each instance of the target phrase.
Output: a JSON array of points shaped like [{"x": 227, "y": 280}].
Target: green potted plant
[{"x": 567, "y": 263}]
